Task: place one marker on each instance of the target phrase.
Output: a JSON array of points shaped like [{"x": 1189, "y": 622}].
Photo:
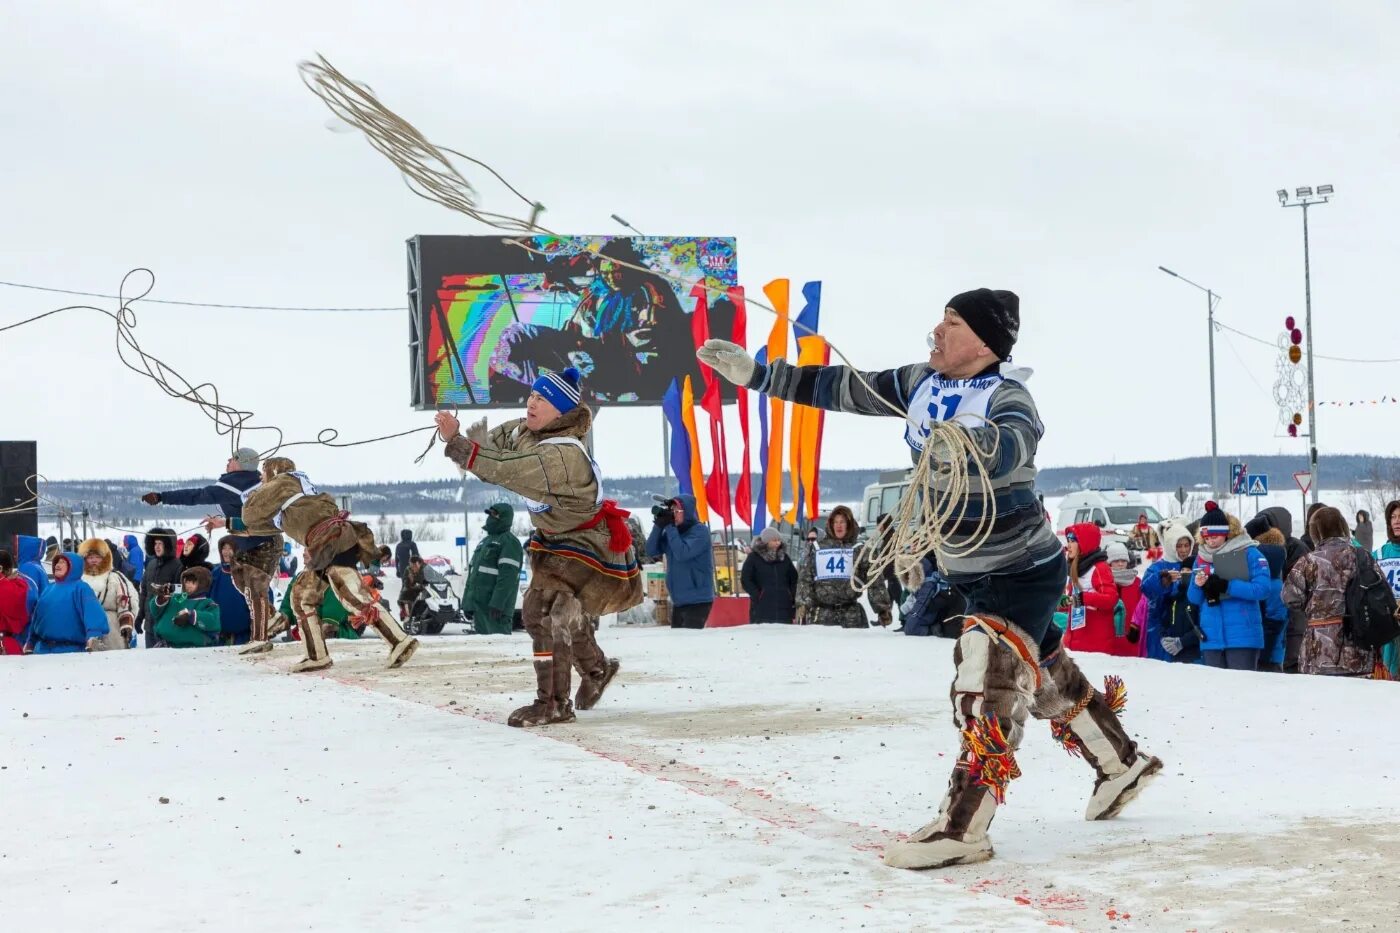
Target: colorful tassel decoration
[
  {"x": 990, "y": 758},
  {"x": 1061, "y": 732},
  {"x": 1114, "y": 693}
]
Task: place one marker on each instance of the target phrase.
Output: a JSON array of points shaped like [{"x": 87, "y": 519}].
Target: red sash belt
[{"x": 619, "y": 535}]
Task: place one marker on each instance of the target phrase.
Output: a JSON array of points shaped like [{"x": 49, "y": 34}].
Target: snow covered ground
[{"x": 739, "y": 778}]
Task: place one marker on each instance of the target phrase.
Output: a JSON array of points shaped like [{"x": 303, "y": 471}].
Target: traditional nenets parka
[
  {"x": 286, "y": 502},
  {"x": 1009, "y": 660},
  {"x": 581, "y": 554}
]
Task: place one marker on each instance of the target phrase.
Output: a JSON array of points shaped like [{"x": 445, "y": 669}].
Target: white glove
[
  {"x": 1171, "y": 646},
  {"x": 478, "y": 433},
  {"x": 729, "y": 360}
]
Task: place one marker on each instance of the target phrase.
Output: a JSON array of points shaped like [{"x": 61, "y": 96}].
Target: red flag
[
  {"x": 743, "y": 493},
  {"x": 717, "y": 486}
]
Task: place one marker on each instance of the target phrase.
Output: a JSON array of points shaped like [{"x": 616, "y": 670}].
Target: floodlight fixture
[
  {"x": 1304, "y": 192},
  {"x": 1283, "y": 195},
  {"x": 1324, "y": 190}
]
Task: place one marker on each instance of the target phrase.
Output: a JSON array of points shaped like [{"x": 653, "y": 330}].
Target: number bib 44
[
  {"x": 1390, "y": 568},
  {"x": 835, "y": 563}
]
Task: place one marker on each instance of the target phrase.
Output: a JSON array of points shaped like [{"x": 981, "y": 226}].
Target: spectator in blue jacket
[
  {"x": 678, "y": 535},
  {"x": 67, "y": 618},
  {"x": 1232, "y": 624},
  {"x": 1274, "y": 547},
  {"x": 1172, "y": 630},
  {"x": 136, "y": 555},
  {"x": 235, "y": 620},
  {"x": 29, "y": 555}
]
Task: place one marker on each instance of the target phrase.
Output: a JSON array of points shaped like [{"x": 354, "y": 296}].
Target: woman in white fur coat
[{"x": 116, "y": 593}]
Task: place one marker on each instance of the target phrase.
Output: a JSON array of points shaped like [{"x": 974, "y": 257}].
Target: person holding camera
[
  {"x": 1230, "y": 579},
  {"x": 1172, "y": 632},
  {"x": 581, "y": 551},
  {"x": 678, "y": 535},
  {"x": 1009, "y": 659}
]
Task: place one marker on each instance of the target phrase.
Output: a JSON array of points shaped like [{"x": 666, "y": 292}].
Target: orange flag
[
  {"x": 697, "y": 473},
  {"x": 777, "y": 292}
]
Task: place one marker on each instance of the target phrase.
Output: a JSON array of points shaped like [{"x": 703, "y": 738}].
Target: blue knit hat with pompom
[{"x": 559, "y": 389}]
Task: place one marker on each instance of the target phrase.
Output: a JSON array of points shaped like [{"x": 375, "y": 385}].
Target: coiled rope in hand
[{"x": 952, "y": 457}]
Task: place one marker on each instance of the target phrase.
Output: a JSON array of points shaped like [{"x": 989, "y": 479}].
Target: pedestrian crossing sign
[{"x": 1257, "y": 484}]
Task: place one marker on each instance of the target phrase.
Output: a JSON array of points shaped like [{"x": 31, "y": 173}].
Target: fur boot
[
  {"x": 592, "y": 685},
  {"x": 997, "y": 671},
  {"x": 1086, "y": 723}
]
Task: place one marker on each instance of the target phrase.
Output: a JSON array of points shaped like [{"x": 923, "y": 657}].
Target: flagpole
[{"x": 665, "y": 454}]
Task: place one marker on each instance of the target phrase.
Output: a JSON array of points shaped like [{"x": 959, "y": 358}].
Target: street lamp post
[
  {"x": 1305, "y": 197},
  {"x": 1212, "y": 299}
]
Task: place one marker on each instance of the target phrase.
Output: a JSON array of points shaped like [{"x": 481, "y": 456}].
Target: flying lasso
[
  {"x": 950, "y": 451},
  {"x": 227, "y": 419}
]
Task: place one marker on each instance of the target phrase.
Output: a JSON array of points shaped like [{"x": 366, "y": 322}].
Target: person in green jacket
[
  {"x": 188, "y": 619},
  {"x": 335, "y": 620},
  {"x": 493, "y": 581}
]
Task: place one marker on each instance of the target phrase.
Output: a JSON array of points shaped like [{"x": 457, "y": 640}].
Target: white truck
[{"x": 1116, "y": 511}]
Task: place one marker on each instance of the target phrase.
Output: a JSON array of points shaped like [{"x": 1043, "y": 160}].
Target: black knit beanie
[{"x": 994, "y": 316}]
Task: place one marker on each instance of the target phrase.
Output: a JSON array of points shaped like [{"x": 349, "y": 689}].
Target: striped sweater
[{"x": 1021, "y": 537}]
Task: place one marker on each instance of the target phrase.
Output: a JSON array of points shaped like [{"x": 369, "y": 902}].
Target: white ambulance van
[{"x": 1116, "y": 511}]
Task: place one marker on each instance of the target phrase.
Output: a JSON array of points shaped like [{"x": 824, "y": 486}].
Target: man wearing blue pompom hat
[{"x": 581, "y": 551}]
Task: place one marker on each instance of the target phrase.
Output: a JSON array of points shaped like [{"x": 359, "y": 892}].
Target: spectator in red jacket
[
  {"x": 17, "y": 597},
  {"x": 1128, "y": 644},
  {"x": 1092, "y": 592}
]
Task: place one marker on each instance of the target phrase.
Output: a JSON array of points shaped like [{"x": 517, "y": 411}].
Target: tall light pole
[
  {"x": 1305, "y": 198},
  {"x": 1212, "y": 299}
]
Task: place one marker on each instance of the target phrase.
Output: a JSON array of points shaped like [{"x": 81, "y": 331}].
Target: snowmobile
[{"x": 435, "y": 606}]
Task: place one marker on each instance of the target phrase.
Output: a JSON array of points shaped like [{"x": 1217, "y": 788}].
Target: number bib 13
[{"x": 835, "y": 563}]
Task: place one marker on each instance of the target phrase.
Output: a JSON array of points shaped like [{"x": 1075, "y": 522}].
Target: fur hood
[
  {"x": 852, "y": 529},
  {"x": 99, "y": 547},
  {"x": 161, "y": 534},
  {"x": 1390, "y": 510},
  {"x": 1272, "y": 536},
  {"x": 201, "y": 577},
  {"x": 199, "y": 551}
]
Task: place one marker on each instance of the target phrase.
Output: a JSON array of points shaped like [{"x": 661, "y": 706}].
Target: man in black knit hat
[{"x": 1009, "y": 660}]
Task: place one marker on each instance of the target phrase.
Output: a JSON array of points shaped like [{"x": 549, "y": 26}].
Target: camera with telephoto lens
[{"x": 661, "y": 512}]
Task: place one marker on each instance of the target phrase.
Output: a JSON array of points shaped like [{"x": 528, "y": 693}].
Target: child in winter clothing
[
  {"x": 1173, "y": 633},
  {"x": 1232, "y": 624},
  {"x": 188, "y": 619},
  {"x": 1127, "y": 641}
]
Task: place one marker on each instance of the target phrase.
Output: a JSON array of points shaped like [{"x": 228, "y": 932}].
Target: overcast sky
[{"x": 898, "y": 152}]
